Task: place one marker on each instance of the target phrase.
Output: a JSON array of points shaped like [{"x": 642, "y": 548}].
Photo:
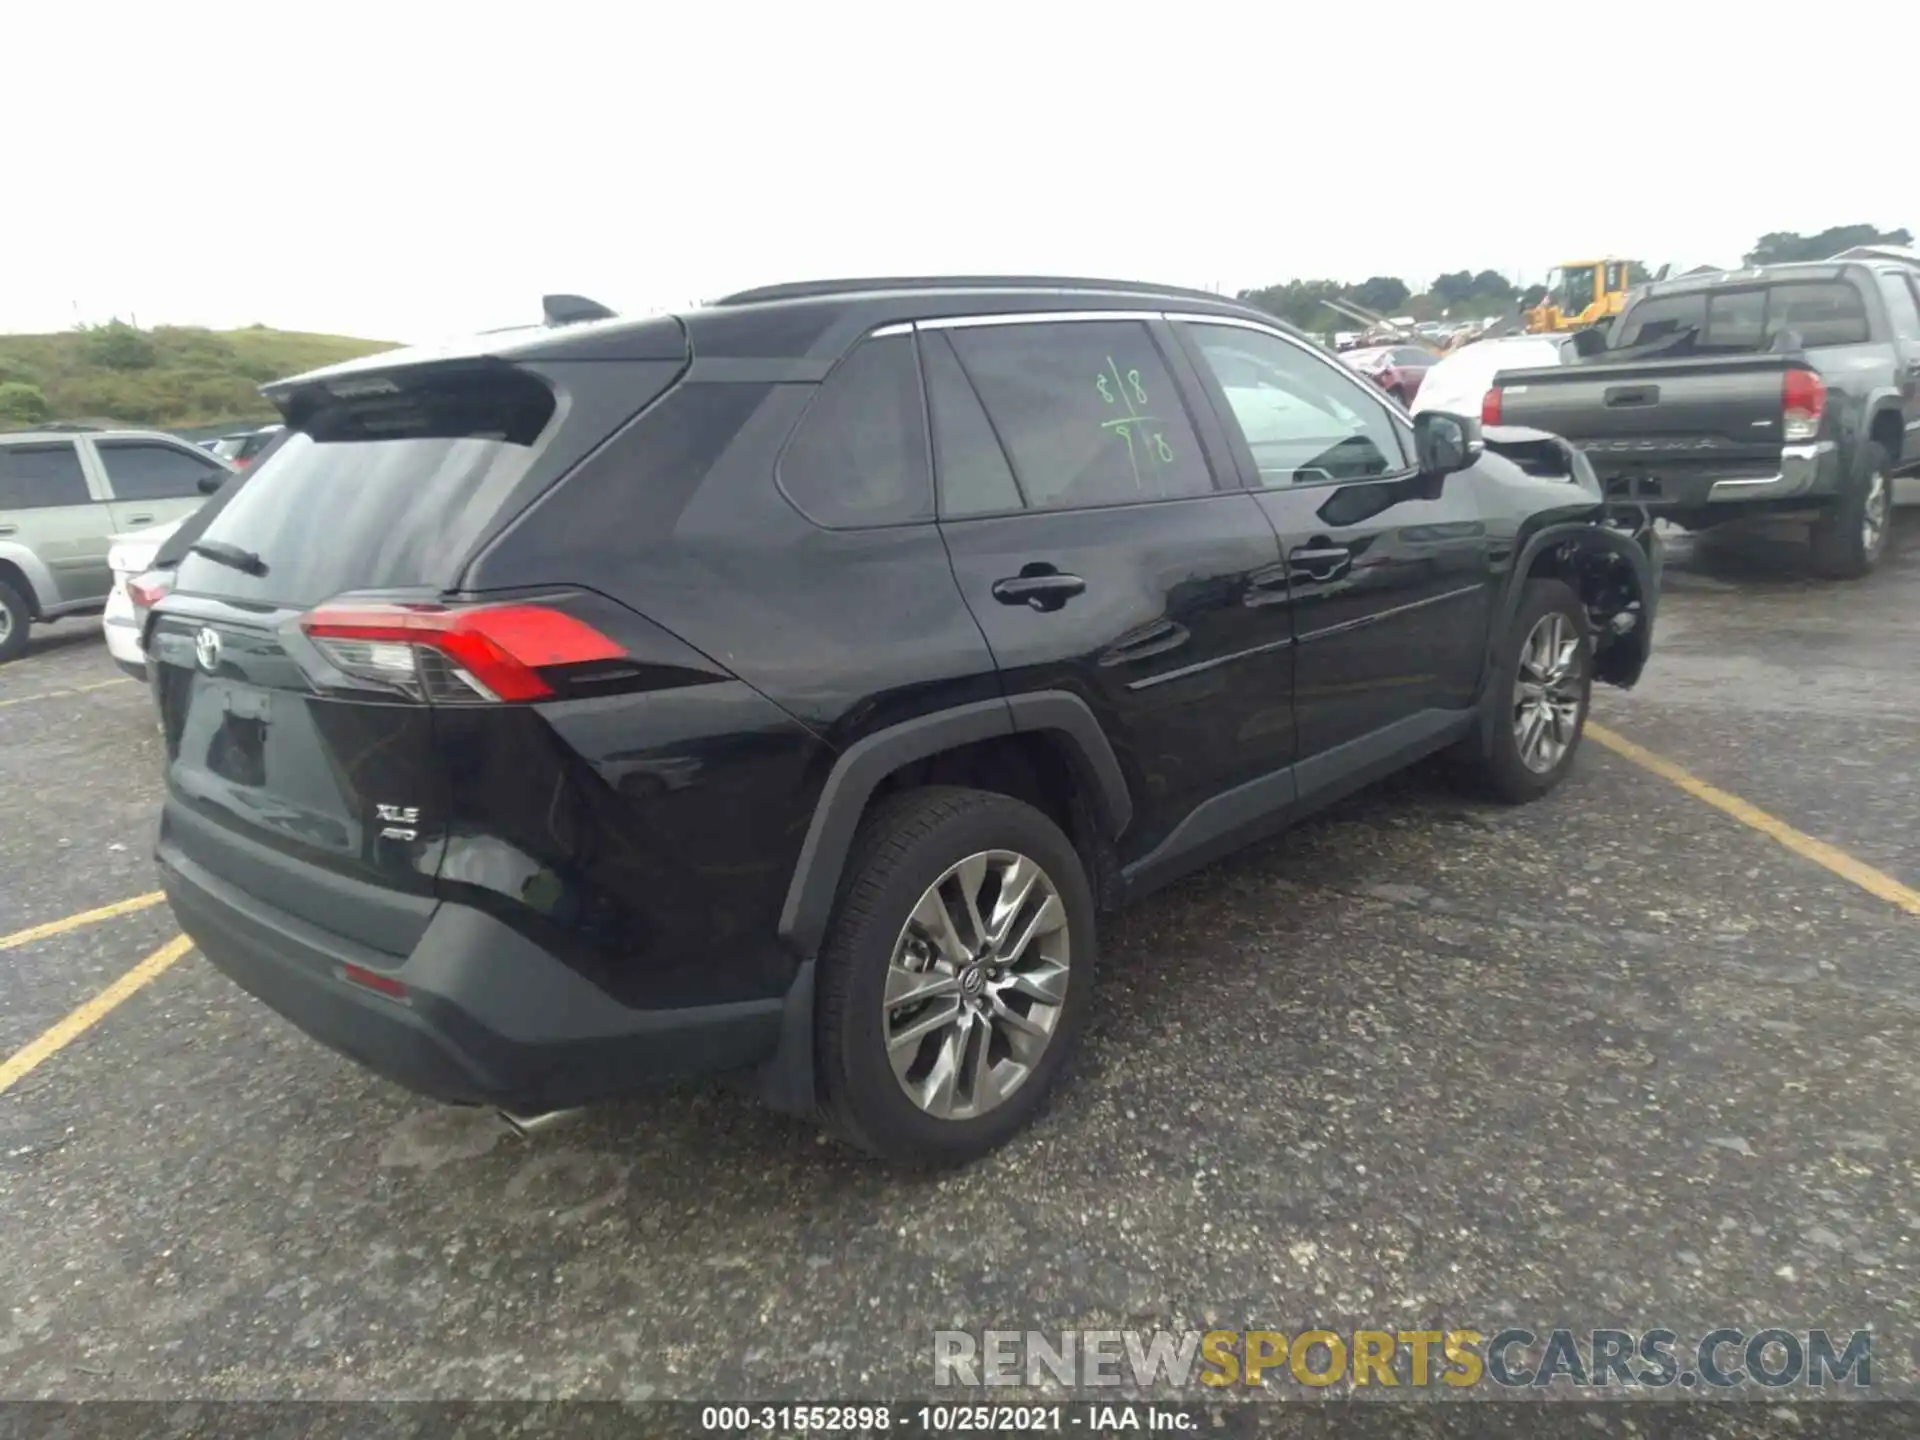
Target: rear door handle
[
  {"x": 1044, "y": 591},
  {"x": 1320, "y": 562},
  {"x": 8, "y": 529},
  {"x": 139, "y": 519}
]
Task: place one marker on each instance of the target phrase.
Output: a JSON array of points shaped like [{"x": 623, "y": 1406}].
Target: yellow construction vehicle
[{"x": 1584, "y": 292}]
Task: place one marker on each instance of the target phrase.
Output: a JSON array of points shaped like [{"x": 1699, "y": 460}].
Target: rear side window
[
  {"x": 974, "y": 476},
  {"x": 386, "y": 485},
  {"x": 37, "y": 477},
  {"x": 859, "y": 456},
  {"x": 1087, "y": 411},
  {"x": 143, "y": 470}
]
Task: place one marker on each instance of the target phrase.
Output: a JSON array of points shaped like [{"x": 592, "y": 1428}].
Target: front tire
[
  {"x": 15, "y": 618},
  {"x": 1537, "y": 698},
  {"x": 956, "y": 976},
  {"x": 1848, "y": 541}
]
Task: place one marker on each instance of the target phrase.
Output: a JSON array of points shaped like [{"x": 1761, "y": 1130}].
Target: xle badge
[{"x": 403, "y": 817}]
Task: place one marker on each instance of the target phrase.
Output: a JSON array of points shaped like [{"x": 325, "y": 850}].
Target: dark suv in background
[{"x": 785, "y": 686}]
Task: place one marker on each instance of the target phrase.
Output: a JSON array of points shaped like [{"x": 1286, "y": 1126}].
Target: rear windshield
[
  {"x": 385, "y": 486},
  {"x": 1748, "y": 318}
]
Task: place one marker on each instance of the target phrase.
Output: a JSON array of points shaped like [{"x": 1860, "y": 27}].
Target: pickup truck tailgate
[{"x": 1659, "y": 428}]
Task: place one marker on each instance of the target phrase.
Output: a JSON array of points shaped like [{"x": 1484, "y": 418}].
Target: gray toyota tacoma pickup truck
[{"x": 1784, "y": 390}]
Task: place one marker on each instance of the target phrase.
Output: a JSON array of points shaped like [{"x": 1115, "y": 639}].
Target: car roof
[
  {"x": 47, "y": 433},
  {"x": 815, "y": 319}
]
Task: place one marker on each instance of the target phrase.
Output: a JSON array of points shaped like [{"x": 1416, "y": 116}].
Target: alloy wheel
[
  {"x": 1547, "y": 693},
  {"x": 977, "y": 984},
  {"x": 1873, "y": 514}
]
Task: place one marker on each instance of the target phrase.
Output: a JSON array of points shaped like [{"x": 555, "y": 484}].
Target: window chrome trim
[
  {"x": 903, "y": 327},
  {"x": 1032, "y": 317}
]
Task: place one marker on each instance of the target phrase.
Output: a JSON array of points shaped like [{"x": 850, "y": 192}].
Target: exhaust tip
[{"x": 528, "y": 1126}]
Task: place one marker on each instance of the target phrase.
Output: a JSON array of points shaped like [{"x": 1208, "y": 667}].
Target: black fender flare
[
  {"x": 1887, "y": 402},
  {"x": 786, "y": 1081},
  {"x": 1646, "y": 572},
  {"x": 869, "y": 760}
]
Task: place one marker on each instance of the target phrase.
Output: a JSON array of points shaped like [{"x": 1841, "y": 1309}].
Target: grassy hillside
[{"x": 173, "y": 376}]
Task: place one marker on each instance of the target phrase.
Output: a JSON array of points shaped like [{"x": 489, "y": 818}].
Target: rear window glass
[
  {"x": 34, "y": 477},
  {"x": 386, "y": 486},
  {"x": 1820, "y": 312}
]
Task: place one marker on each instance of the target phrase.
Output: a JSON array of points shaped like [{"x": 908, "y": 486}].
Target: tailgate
[{"x": 1706, "y": 417}]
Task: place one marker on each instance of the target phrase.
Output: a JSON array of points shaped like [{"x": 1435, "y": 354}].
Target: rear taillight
[
  {"x": 456, "y": 654},
  {"x": 1490, "y": 407},
  {"x": 1803, "y": 401},
  {"x": 148, "y": 590}
]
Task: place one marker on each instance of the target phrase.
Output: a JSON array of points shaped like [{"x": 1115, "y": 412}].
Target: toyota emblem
[{"x": 206, "y": 649}]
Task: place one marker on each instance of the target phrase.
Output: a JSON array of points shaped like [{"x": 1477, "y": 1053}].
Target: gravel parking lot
[{"x": 1618, "y": 1058}]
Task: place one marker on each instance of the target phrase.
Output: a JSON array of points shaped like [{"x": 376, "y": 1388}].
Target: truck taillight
[
  {"x": 149, "y": 589},
  {"x": 1490, "y": 407},
  {"x": 447, "y": 654},
  {"x": 1803, "y": 401}
]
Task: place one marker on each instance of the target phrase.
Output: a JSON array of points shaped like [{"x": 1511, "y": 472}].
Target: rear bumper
[
  {"x": 488, "y": 1017},
  {"x": 1805, "y": 475}
]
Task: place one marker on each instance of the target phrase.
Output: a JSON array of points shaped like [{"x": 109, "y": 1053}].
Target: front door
[
  {"x": 1390, "y": 587},
  {"x": 1097, "y": 555}
]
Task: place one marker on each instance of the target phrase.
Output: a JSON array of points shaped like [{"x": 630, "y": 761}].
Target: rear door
[
  {"x": 1389, "y": 573},
  {"x": 1079, "y": 507},
  {"x": 48, "y": 508},
  {"x": 153, "y": 482}
]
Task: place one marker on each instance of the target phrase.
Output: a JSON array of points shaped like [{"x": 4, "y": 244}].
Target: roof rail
[
  {"x": 572, "y": 309},
  {"x": 813, "y": 289}
]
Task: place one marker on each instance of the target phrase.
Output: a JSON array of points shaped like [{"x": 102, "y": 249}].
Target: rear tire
[
  {"x": 1848, "y": 541},
  {"x": 948, "y": 1074},
  {"x": 15, "y": 619},
  {"x": 1537, "y": 696}
]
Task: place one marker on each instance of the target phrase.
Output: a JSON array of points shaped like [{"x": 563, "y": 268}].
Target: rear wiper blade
[{"x": 219, "y": 551}]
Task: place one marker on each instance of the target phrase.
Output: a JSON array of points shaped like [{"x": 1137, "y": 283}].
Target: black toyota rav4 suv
[{"x": 786, "y": 686}]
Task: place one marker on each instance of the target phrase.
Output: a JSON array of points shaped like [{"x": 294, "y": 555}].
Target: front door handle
[
  {"x": 139, "y": 519},
  {"x": 8, "y": 529},
  {"x": 1040, "y": 589},
  {"x": 1320, "y": 562}
]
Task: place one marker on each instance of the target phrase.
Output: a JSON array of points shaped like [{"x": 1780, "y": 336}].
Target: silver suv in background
[{"x": 64, "y": 495}]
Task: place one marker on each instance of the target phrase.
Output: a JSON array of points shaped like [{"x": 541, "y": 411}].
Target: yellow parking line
[
  {"x": 1831, "y": 857},
  {"x": 22, "y": 1063},
  {"x": 85, "y": 917},
  {"x": 75, "y": 690}
]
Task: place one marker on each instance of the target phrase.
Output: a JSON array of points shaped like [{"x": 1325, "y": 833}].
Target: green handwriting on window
[{"x": 1138, "y": 428}]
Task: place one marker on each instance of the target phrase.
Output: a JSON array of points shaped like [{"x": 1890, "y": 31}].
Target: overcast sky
[{"x": 407, "y": 170}]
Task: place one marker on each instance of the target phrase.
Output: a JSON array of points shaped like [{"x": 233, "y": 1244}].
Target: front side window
[
  {"x": 38, "y": 477},
  {"x": 1087, "y": 412},
  {"x": 859, "y": 456},
  {"x": 144, "y": 470},
  {"x": 1305, "y": 421}
]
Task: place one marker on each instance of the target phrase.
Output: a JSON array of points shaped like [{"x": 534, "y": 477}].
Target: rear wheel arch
[
  {"x": 1886, "y": 427},
  {"x": 1046, "y": 749}
]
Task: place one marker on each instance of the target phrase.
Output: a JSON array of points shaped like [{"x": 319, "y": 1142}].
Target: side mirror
[
  {"x": 1444, "y": 443},
  {"x": 210, "y": 482}
]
